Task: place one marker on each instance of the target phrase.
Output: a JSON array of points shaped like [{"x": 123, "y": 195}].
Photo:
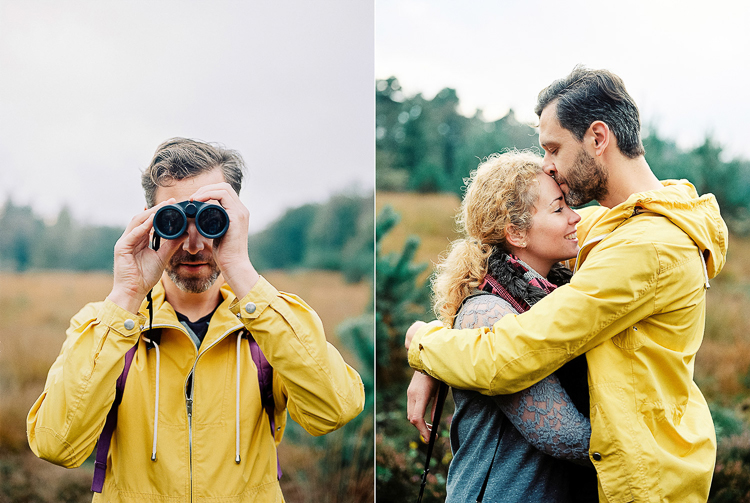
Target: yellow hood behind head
[{"x": 698, "y": 216}]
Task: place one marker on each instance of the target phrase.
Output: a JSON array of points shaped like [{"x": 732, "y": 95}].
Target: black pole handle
[{"x": 440, "y": 401}]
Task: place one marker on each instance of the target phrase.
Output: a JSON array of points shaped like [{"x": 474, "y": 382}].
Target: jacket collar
[
  {"x": 223, "y": 321},
  {"x": 697, "y": 216}
]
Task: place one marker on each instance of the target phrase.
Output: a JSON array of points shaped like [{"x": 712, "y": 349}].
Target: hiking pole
[{"x": 439, "y": 402}]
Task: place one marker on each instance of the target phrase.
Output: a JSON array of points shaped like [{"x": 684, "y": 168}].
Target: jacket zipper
[
  {"x": 189, "y": 405},
  {"x": 585, "y": 245},
  {"x": 189, "y": 401}
]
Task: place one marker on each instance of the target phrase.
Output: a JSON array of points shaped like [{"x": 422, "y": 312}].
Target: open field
[
  {"x": 429, "y": 216},
  {"x": 35, "y": 309}
]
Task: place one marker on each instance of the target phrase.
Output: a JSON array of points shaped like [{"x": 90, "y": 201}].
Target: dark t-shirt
[{"x": 199, "y": 328}]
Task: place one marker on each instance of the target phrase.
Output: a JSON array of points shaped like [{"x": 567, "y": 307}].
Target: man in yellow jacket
[
  {"x": 191, "y": 425},
  {"x": 635, "y": 306}
]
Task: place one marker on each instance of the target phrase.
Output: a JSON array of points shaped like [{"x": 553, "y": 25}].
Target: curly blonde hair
[{"x": 500, "y": 195}]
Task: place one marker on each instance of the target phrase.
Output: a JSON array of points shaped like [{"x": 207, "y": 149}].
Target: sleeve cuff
[
  {"x": 255, "y": 302},
  {"x": 120, "y": 320},
  {"x": 415, "y": 348}
]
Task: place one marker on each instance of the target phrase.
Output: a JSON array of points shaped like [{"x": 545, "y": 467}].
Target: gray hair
[{"x": 180, "y": 158}]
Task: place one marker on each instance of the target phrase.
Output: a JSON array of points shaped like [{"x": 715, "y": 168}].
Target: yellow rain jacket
[
  {"x": 195, "y": 457},
  {"x": 636, "y": 306}
]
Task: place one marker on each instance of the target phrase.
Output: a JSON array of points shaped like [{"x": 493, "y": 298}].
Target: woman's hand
[{"x": 422, "y": 390}]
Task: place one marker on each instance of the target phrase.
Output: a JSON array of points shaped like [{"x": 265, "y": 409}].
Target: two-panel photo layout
[{"x": 396, "y": 251}]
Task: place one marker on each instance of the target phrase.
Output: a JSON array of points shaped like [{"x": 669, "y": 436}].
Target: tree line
[
  {"x": 335, "y": 235},
  {"x": 426, "y": 145}
]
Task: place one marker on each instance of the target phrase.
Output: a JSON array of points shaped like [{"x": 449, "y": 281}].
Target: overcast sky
[
  {"x": 685, "y": 63},
  {"x": 89, "y": 89}
]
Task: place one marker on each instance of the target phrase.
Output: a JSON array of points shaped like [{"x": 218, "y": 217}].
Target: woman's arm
[
  {"x": 543, "y": 413},
  {"x": 548, "y": 420}
]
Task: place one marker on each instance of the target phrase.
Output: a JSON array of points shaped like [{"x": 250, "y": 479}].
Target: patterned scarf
[{"x": 522, "y": 287}]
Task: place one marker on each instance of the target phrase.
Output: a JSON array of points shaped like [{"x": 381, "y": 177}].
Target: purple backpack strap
[
  {"x": 265, "y": 383},
  {"x": 102, "y": 446}
]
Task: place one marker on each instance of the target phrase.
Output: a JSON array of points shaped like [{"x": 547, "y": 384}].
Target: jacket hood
[{"x": 698, "y": 216}]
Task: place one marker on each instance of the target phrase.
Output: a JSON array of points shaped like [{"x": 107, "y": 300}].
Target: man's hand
[
  {"x": 137, "y": 268},
  {"x": 411, "y": 331},
  {"x": 230, "y": 250},
  {"x": 415, "y": 327},
  {"x": 422, "y": 390}
]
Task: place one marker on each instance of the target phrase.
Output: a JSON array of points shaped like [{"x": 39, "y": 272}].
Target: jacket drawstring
[
  {"x": 237, "y": 407},
  {"x": 156, "y": 400},
  {"x": 705, "y": 269}
]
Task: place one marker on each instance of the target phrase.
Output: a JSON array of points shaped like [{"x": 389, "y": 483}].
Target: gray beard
[{"x": 193, "y": 285}]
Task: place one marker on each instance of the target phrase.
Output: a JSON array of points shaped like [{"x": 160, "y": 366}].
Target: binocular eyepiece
[{"x": 211, "y": 220}]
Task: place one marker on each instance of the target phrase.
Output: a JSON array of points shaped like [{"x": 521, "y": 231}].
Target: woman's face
[{"x": 552, "y": 236}]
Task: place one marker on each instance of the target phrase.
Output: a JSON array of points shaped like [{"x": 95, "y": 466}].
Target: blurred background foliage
[
  {"x": 424, "y": 150},
  {"x": 336, "y": 235}
]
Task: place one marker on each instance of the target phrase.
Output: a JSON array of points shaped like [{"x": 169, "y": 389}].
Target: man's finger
[
  {"x": 411, "y": 331},
  {"x": 421, "y": 425},
  {"x": 134, "y": 236},
  {"x": 207, "y": 191},
  {"x": 141, "y": 217}
]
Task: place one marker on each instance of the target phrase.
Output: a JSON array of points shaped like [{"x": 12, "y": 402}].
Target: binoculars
[{"x": 170, "y": 222}]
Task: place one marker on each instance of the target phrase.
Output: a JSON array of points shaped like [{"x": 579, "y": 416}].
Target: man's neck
[
  {"x": 628, "y": 177},
  {"x": 193, "y": 305}
]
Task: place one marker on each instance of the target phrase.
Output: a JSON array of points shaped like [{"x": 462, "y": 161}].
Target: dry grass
[
  {"x": 429, "y": 216},
  {"x": 34, "y": 312},
  {"x": 723, "y": 363},
  {"x": 35, "y": 309},
  {"x": 344, "y": 478}
]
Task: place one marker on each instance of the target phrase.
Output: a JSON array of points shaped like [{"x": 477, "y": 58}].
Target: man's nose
[
  {"x": 548, "y": 166},
  {"x": 194, "y": 242}
]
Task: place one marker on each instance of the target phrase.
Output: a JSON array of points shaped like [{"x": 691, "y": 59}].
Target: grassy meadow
[
  {"x": 35, "y": 309},
  {"x": 429, "y": 216},
  {"x": 722, "y": 367}
]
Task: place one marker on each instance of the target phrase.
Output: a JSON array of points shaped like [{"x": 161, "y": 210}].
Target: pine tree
[{"x": 401, "y": 298}]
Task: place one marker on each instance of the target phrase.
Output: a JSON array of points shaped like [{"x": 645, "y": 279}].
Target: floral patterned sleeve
[{"x": 544, "y": 413}]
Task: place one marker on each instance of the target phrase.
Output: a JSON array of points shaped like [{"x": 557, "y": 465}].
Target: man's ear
[
  {"x": 600, "y": 136},
  {"x": 514, "y": 236}
]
